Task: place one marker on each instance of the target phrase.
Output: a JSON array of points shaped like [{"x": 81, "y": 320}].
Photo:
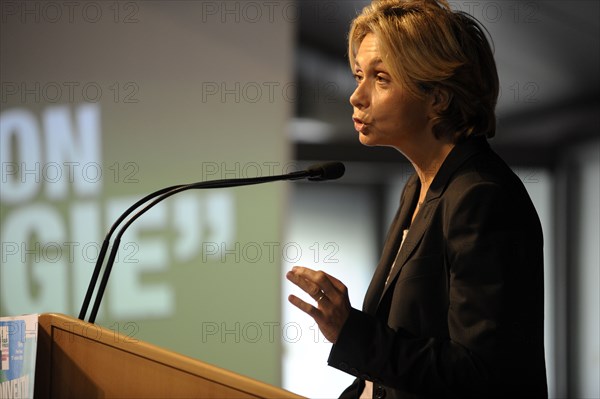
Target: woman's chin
[{"x": 366, "y": 139}]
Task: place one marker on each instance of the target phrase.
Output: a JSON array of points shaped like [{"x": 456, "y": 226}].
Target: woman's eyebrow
[{"x": 375, "y": 62}]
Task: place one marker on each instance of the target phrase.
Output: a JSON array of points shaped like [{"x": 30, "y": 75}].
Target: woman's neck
[{"x": 427, "y": 158}]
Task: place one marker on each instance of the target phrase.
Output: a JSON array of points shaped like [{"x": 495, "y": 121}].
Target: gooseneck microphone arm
[
  {"x": 327, "y": 171},
  {"x": 105, "y": 244}
]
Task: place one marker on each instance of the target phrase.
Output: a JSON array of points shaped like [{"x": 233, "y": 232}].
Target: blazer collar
[{"x": 459, "y": 154}]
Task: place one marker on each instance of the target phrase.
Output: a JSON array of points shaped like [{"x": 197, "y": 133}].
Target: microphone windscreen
[{"x": 326, "y": 171}]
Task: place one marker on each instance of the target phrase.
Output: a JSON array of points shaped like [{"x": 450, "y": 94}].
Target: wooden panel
[{"x": 85, "y": 360}]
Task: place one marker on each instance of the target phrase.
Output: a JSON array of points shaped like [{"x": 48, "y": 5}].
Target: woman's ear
[{"x": 440, "y": 99}]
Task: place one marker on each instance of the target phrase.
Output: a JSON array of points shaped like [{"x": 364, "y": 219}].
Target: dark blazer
[{"x": 463, "y": 311}]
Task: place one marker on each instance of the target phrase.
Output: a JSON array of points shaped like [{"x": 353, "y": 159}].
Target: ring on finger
[{"x": 321, "y": 296}]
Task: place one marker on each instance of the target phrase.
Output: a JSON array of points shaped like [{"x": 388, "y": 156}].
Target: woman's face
[{"x": 385, "y": 113}]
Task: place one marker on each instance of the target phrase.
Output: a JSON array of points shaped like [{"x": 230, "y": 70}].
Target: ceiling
[{"x": 548, "y": 58}]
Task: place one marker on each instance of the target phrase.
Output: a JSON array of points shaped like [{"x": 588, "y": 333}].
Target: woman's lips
[{"x": 359, "y": 125}]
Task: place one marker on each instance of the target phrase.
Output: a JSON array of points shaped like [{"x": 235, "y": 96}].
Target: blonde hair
[{"x": 428, "y": 46}]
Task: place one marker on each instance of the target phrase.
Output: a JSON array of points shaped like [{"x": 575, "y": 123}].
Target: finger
[
  {"x": 341, "y": 288},
  {"x": 303, "y": 306},
  {"x": 318, "y": 278},
  {"x": 307, "y": 286},
  {"x": 336, "y": 283}
]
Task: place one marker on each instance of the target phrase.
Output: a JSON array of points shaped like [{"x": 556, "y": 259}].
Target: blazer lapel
[
  {"x": 459, "y": 154},
  {"x": 414, "y": 236},
  {"x": 392, "y": 244}
]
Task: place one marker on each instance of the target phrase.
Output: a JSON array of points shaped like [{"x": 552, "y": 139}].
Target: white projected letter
[
  {"x": 76, "y": 149},
  {"x": 220, "y": 216},
  {"x": 85, "y": 245},
  {"x": 35, "y": 275},
  {"x": 140, "y": 256},
  {"x": 20, "y": 180}
]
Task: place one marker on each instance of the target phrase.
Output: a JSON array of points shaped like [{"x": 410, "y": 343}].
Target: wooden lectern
[{"x": 76, "y": 359}]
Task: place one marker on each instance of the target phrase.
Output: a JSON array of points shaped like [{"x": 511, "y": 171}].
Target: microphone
[
  {"x": 321, "y": 172},
  {"x": 326, "y": 171}
]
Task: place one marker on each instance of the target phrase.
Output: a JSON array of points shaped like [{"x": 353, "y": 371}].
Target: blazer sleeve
[
  {"x": 353, "y": 391},
  {"x": 486, "y": 248}
]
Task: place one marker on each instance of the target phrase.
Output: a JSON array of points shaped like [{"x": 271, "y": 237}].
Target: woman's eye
[{"x": 358, "y": 78}]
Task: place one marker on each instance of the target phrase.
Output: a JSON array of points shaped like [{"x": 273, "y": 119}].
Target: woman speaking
[{"x": 455, "y": 306}]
